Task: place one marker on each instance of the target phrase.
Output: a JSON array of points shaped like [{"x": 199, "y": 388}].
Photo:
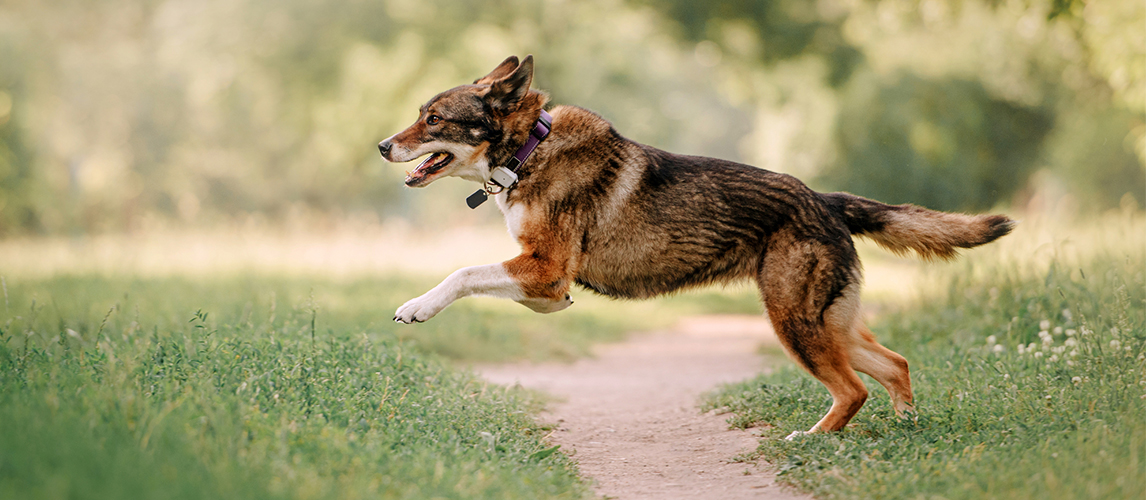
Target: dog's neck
[
  {"x": 504, "y": 177},
  {"x": 539, "y": 132}
]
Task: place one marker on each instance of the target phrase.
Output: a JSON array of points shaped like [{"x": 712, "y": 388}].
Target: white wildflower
[
  {"x": 1021, "y": 349},
  {"x": 1069, "y": 363},
  {"x": 1053, "y": 358},
  {"x": 1048, "y": 340},
  {"x": 1031, "y": 347},
  {"x": 998, "y": 348},
  {"x": 1059, "y": 350},
  {"x": 991, "y": 340},
  {"x": 1038, "y": 354},
  {"x": 1058, "y": 330},
  {"x": 1006, "y": 376},
  {"x": 1076, "y": 380},
  {"x": 1066, "y": 314},
  {"x": 1044, "y": 324},
  {"x": 1071, "y": 332},
  {"x": 1114, "y": 331},
  {"x": 1070, "y": 342},
  {"x": 1074, "y": 353},
  {"x": 1115, "y": 344}
]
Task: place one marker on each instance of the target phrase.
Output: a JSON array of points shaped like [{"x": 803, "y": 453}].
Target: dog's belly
[{"x": 641, "y": 263}]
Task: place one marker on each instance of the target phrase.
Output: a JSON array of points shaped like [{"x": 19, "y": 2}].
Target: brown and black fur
[{"x": 631, "y": 221}]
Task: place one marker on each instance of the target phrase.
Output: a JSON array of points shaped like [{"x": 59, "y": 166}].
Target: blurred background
[{"x": 129, "y": 117}]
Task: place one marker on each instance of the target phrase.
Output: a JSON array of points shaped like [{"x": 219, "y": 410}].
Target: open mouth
[{"x": 430, "y": 166}]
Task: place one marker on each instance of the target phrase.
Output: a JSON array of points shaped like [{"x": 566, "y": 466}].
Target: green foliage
[
  {"x": 177, "y": 390},
  {"x": 1058, "y": 417},
  {"x": 19, "y": 189},
  {"x": 1091, "y": 152},
  {"x": 127, "y": 112},
  {"x": 946, "y": 145},
  {"x": 786, "y": 29}
]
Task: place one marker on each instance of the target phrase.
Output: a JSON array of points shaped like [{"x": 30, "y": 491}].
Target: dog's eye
[{"x": 433, "y": 119}]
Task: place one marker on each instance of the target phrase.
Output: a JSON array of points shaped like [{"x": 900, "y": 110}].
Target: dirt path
[{"x": 629, "y": 416}]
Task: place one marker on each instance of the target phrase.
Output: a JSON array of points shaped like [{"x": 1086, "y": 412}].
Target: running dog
[{"x": 626, "y": 220}]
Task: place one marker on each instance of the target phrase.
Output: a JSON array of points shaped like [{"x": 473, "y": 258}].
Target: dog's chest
[{"x": 514, "y": 215}]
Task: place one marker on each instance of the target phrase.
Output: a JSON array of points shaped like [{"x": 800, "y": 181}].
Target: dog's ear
[
  {"x": 506, "y": 92},
  {"x": 501, "y": 71}
]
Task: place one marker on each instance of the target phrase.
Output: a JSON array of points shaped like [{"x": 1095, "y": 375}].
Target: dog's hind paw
[{"x": 794, "y": 435}]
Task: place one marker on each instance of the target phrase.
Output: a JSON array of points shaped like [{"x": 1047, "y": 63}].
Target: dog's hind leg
[
  {"x": 886, "y": 366},
  {"x": 811, "y": 292},
  {"x": 847, "y": 390}
]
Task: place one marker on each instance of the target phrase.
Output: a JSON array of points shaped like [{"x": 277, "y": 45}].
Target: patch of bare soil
[{"x": 629, "y": 415}]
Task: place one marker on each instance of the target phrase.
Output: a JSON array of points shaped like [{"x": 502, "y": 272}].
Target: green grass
[
  {"x": 283, "y": 387},
  {"x": 475, "y": 329},
  {"x": 250, "y": 389},
  {"x": 1064, "y": 418}
]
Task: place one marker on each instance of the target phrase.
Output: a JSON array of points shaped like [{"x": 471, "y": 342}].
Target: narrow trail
[{"x": 629, "y": 415}]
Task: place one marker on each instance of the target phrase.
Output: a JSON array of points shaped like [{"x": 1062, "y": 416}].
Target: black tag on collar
[{"x": 475, "y": 200}]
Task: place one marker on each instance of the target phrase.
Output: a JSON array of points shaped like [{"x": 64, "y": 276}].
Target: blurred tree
[
  {"x": 784, "y": 29},
  {"x": 1062, "y": 60},
  {"x": 946, "y": 144},
  {"x": 124, "y": 111},
  {"x": 19, "y": 187},
  {"x": 1095, "y": 155}
]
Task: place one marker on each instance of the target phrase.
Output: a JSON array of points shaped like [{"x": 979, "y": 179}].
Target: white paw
[
  {"x": 419, "y": 309},
  {"x": 795, "y": 435}
]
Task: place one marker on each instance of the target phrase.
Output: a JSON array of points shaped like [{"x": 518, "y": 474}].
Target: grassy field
[
  {"x": 257, "y": 386},
  {"x": 1029, "y": 373},
  {"x": 142, "y": 382},
  {"x": 249, "y": 388}
]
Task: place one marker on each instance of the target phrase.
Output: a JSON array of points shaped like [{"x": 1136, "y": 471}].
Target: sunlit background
[
  {"x": 245, "y": 117},
  {"x": 201, "y": 250}
]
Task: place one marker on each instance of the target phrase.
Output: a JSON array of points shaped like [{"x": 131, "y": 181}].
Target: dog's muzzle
[{"x": 384, "y": 147}]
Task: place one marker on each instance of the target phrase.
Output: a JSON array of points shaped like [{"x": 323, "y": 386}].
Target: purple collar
[
  {"x": 502, "y": 178},
  {"x": 539, "y": 133}
]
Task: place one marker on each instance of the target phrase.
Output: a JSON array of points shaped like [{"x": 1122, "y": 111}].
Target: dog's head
[{"x": 469, "y": 129}]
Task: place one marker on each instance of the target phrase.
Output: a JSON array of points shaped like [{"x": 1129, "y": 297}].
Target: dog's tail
[{"x": 931, "y": 234}]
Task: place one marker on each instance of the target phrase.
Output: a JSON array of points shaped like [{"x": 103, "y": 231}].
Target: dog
[{"x": 626, "y": 220}]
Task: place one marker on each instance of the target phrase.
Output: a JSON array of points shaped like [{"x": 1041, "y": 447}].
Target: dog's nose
[{"x": 384, "y": 148}]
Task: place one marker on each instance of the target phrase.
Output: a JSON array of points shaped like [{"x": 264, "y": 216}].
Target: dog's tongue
[
  {"x": 420, "y": 171},
  {"x": 429, "y": 161}
]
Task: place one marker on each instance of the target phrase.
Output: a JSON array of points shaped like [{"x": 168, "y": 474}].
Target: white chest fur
[{"x": 514, "y": 214}]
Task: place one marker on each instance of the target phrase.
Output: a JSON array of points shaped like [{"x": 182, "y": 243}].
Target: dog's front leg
[{"x": 492, "y": 279}]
